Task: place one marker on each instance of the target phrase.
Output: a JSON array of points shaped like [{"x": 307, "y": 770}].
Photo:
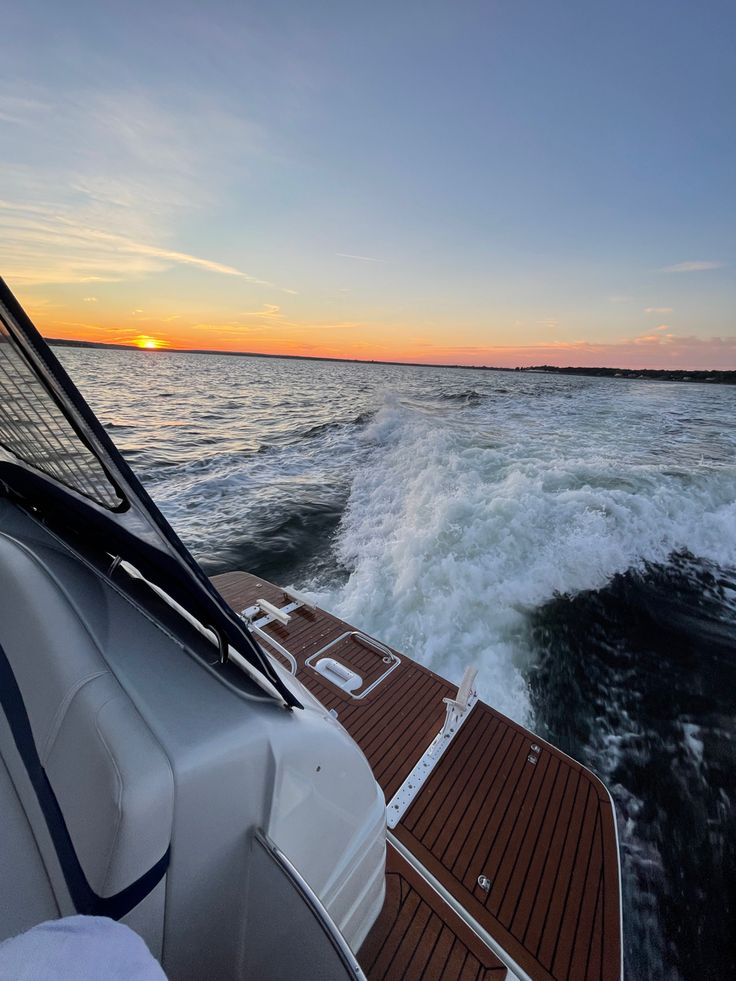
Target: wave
[
  {"x": 636, "y": 680},
  {"x": 450, "y": 544},
  {"x": 326, "y": 427},
  {"x": 470, "y": 396},
  {"x": 291, "y": 542}
]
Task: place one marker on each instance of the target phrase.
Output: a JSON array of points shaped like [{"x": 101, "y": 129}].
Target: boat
[{"x": 255, "y": 787}]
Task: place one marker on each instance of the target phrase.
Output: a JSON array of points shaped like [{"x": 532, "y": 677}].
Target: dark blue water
[{"x": 575, "y": 538}]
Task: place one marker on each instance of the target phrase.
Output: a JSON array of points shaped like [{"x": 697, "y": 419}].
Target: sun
[{"x": 148, "y": 343}]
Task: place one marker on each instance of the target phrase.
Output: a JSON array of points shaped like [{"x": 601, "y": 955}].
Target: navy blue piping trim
[{"x": 85, "y": 899}]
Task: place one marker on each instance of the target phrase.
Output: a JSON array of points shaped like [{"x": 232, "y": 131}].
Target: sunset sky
[{"x": 502, "y": 182}]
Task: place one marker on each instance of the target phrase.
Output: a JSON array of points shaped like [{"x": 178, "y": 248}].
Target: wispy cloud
[
  {"x": 40, "y": 245},
  {"x": 696, "y": 265},
  {"x": 658, "y": 310},
  {"x": 18, "y": 109},
  {"x": 183, "y": 258},
  {"x": 267, "y": 320},
  {"x": 653, "y": 350},
  {"x": 267, "y": 310},
  {"x": 118, "y": 176},
  {"x": 362, "y": 258}
]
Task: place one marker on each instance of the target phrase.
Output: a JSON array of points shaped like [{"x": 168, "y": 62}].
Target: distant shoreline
[
  {"x": 715, "y": 377},
  {"x": 654, "y": 374}
]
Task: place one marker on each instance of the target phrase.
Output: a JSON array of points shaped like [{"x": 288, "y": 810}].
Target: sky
[{"x": 502, "y": 183}]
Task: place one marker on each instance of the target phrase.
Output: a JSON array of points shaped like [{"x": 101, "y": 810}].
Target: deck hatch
[{"x": 334, "y": 662}]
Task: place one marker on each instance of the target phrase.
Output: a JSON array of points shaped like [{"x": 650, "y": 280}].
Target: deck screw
[{"x": 485, "y": 883}]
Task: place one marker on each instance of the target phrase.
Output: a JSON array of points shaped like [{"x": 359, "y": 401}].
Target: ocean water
[{"x": 574, "y": 538}]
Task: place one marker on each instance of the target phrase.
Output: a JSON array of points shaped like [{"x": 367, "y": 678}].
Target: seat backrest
[{"x": 104, "y": 783}]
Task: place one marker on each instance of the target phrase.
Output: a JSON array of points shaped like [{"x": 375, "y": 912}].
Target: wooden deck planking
[
  {"x": 543, "y": 833},
  {"x": 541, "y": 844},
  {"x": 418, "y": 937}
]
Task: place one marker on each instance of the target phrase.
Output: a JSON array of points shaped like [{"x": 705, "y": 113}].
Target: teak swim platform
[{"x": 503, "y": 855}]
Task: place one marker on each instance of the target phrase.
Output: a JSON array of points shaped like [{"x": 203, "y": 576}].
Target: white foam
[
  {"x": 693, "y": 742},
  {"x": 451, "y": 539}
]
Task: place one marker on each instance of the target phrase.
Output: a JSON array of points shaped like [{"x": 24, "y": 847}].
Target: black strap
[{"x": 85, "y": 899}]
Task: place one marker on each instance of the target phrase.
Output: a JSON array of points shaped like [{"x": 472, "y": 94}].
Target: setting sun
[{"x": 148, "y": 343}]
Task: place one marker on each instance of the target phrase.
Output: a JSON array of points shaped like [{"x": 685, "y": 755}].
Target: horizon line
[{"x": 73, "y": 342}]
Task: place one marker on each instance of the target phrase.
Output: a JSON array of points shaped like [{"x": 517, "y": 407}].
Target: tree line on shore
[{"x": 661, "y": 374}]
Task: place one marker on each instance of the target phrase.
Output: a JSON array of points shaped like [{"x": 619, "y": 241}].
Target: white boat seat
[
  {"x": 102, "y": 780},
  {"x": 22, "y": 871}
]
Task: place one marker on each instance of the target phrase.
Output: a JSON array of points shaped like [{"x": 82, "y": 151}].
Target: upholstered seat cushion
[{"x": 110, "y": 777}]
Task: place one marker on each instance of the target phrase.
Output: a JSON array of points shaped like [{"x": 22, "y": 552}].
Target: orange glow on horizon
[{"x": 287, "y": 331}]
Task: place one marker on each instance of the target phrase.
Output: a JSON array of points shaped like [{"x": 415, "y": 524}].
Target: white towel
[{"x": 78, "y": 948}]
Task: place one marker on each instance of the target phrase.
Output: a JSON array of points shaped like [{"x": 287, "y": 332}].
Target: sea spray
[{"x": 451, "y": 543}]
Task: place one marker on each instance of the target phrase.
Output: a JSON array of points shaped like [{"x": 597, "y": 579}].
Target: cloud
[
  {"x": 18, "y": 110},
  {"x": 118, "y": 175},
  {"x": 663, "y": 327},
  {"x": 89, "y": 299},
  {"x": 267, "y": 310},
  {"x": 40, "y": 245},
  {"x": 698, "y": 265},
  {"x": 660, "y": 350},
  {"x": 362, "y": 258},
  {"x": 183, "y": 258},
  {"x": 658, "y": 310},
  {"x": 269, "y": 319}
]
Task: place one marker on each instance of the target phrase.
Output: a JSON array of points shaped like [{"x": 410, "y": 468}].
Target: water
[{"x": 575, "y": 538}]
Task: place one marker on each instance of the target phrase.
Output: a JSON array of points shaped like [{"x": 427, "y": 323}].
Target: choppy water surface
[{"x": 573, "y": 537}]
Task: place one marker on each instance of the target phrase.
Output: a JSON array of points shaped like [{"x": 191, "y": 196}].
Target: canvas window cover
[{"x": 35, "y": 430}]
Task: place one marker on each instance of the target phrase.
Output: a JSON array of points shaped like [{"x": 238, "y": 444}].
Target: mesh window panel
[{"x": 34, "y": 429}]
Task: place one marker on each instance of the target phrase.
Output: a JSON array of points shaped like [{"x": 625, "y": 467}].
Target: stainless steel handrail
[
  {"x": 276, "y": 646},
  {"x": 315, "y": 903}
]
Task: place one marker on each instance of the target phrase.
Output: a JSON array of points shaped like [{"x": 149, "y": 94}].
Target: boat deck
[
  {"x": 501, "y": 804},
  {"x": 417, "y": 936}
]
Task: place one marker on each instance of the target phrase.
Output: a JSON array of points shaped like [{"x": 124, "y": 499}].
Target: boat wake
[{"x": 453, "y": 536}]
